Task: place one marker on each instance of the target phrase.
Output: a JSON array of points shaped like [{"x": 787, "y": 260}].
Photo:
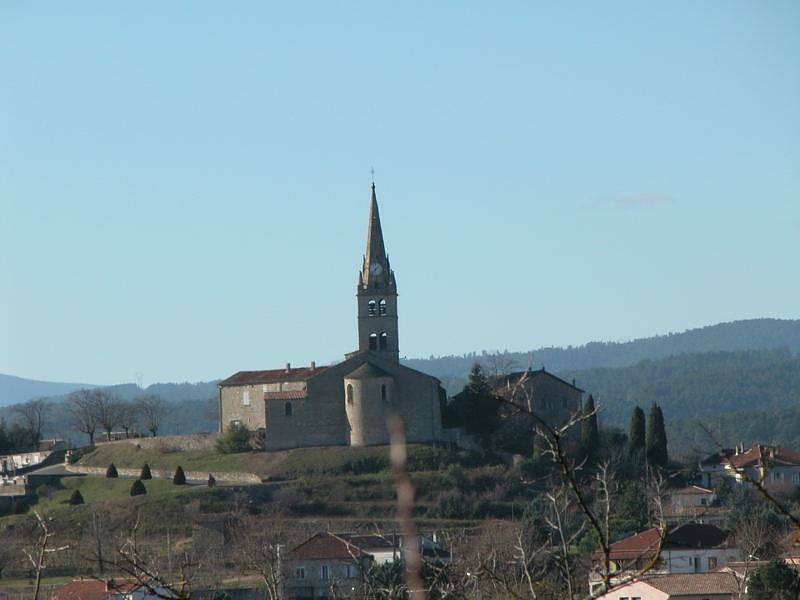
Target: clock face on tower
[{"x": 375, "y": 269}]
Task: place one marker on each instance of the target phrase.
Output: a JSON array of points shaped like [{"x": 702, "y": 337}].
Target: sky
[{"x": 184, "y": 186}]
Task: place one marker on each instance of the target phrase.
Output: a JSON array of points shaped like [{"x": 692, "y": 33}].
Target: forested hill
[{"x": 753, "y": 334}]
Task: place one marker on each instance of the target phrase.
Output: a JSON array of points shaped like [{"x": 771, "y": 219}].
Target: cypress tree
[
  {"x": 211, "y": 481},
  {"x": 76, "y": 498},
  {"x": 590, "y": 433},
  {"x": 111, "y": 471},
  {"x": 636, "y": 433},
  {"x": 656, "y": 438},
  {"x": 137, "y": 488},
  {"x": 180, "y": 476},
  {"x": 145, "y": 474}
]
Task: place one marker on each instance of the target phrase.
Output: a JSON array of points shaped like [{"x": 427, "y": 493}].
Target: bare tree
[
  {"x": 39, "y": 549},
  {"x": 108, "y": 407},
  {"x": 84, "y": 412},
  {"x": 258, "y": 548},
  {"x": 33, "y": 416},
  {"x": 150, "y": 409}
]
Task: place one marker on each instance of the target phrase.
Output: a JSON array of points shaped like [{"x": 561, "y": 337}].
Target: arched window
[
  {"x": 373, "y": 341},
  {"x": 384, "y": 341},
  {"x": 382, "y": 307},
  {"x": 384, "y": 394},
  {"x": 287, "y": 409},
  {"x": 349, "y": 393},
  {"x": 371, "y": 308}
]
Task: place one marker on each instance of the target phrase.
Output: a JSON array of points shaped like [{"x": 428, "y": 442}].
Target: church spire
[
  {"x": 377, "y": 293},
  {"x": 376, "y": 270}
]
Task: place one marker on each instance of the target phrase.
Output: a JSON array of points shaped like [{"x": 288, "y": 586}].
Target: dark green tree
[
  {"x": 137, "y": 488},
  {"x": 636, "y": 432},
  {"x": 211, "y": 480},
  {"x": 774, "y": 581},
  {"x": 656, "y": 438},
  {"x": 180, "y": 477},
  {"x": 145, "y": 474},
  {"x": 235, "y": 439},
  {"x": 476, "y": 408},
  {"x": 590, "y": 433},
  {"x": 111, "y": 471},
  {"x": 76, "y": 498}
]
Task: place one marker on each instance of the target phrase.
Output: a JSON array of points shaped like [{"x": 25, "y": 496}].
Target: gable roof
[
  {"x": 92, "y": 589},
  {"x": 273, "y": 375},
  {"x": 327, "y": 546},
  {"x": 756, "y": 456},
  {"x": 647, "y": 543},
  {"x": 695, "y": 583},
  {"x": 498, "y": 381}
]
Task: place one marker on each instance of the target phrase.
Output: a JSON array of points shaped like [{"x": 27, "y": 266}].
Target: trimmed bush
[
  {"x": 76, "y": 498},
  {"x": 145, "y": 474},
  {"x": 211, "y": 481},
  {"x": 111, "y": 471},
  {"x": 137, "y": 488},
  {"x": 180, "y": 476}
]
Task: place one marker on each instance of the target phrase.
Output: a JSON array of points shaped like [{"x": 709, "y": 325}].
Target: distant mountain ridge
[{"x": 751, "y": 334}]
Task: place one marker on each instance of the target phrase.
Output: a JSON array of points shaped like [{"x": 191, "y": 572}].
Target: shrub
[
  {"x": 211, "y": 481},
  {"x": 76, "y": 498},
  {"x": 111, "y": 471},
  {"x": 145, "y": 474},
  {"x": 137, "y": 488},
  {"x": 235, "y": 439},
  {"x": 179, "y": 477}
]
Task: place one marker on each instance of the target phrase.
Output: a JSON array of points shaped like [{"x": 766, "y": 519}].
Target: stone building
[{"x": 345, "y": 403}]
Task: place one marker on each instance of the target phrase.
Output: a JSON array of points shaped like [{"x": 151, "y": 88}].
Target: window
[
  {"x": 382, "y": 307},
  {"x": 300, "y": 573},
  {"x": 287, "y": 409},
  {"x": 384, "y": 394},
  {"x": 373, "y": 341},
  {"x": 325, "y": 572},
  {"x": 712, "y": 563},
  {"x": 703, "y": 501},
  {"x": 246, "y": 398},
  {"x": 351, "y": 571},
  {"x": 371, "y": 308},
  {"x": 349, "y": 393},
  {"x": 236, "y": 423},
  {"x": 384, "y": 341},
  {"x": 696, "y": 564}
]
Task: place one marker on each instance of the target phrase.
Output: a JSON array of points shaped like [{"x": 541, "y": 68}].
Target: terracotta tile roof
[
  {"x": 641, "y": 545},
  {"x": 326, "y": 546},
  {"x": 695, "y": 583},
  {"x": 274, "y": 375},
  {"x": 290, "y": 395},
  {"x": 691, "y": 490},
  {"x": 92, "y": 589},
  {"x": 645, "y": 545},
  {"x": 367, "y": 370},
  {"x": 755, "y": 456}
]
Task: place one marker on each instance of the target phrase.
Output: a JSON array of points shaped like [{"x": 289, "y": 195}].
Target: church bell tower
[{"x": 377, "y": 293}]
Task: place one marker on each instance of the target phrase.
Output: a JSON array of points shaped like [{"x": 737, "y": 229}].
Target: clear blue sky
[{"x": 184, "y": 186}]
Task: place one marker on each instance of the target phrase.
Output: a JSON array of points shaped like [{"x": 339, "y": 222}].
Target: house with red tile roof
[
  {"x": 95, "y": 589},
  {"x": 773, "y": 466},
  {"x": 679, "y": 586},
  {"x": 346, "y": 403},
  {"x": 335, "y": 564},
  {"x": 688, "y": 548}
]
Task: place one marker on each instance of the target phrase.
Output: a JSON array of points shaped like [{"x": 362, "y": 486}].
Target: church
[{"x": 345, "y": 404}]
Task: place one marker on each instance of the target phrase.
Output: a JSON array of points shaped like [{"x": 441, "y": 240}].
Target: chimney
[{"x": 288, "y": 367}]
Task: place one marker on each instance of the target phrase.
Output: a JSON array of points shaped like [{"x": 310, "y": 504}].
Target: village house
[
  {"x": 694, "y": 504},
  {"x": 688, "y": 548},
  {"x": 777, "y": 468},
  {"x": 346, "y": 403},
  {"x": 679, "y": 586},
  {"x": 337, "y": 564}
]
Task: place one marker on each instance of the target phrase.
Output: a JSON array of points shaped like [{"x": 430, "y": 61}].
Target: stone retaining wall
[
  {"x": 167, "y": 443},
  {"x": 240, "y": 478}
]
